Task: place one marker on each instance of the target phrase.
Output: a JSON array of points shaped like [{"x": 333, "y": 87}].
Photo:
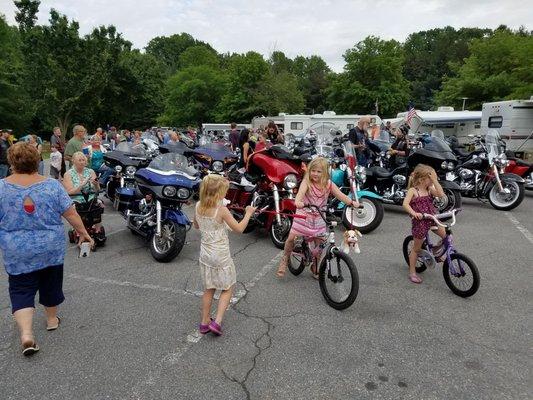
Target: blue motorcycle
[
  {"x": 153, "y": 209},
  {"x": 348, "y": 176}
]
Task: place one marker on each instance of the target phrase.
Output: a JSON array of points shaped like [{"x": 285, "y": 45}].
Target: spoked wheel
[
  {"x": 462, "y": 277},
  {"x": 339, "y": 280},
  {"x": 511, "y": 196},
  {"x": 364, "y": 219},
  {"x": 451, "y": 199},
  {"x": 280, "y": 232},
  {"x": 167, "y": 246},
  {"x": 407, "y": 247}
]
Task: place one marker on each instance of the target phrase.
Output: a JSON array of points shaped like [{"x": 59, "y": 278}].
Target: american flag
[{"x": 410, "y": 115}]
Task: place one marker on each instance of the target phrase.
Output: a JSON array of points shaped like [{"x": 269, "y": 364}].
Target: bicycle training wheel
[
  {"x": 406, "y": 247},
  {"x": 339, "y": 280},
  {"x": 463, "y": 277}
]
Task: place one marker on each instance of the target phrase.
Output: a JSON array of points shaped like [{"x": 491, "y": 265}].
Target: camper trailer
[
  {"x": 297, "y": 124},
  {"x": 514, "y": 121}
]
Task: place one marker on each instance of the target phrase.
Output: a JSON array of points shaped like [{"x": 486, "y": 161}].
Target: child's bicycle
[
  {"x": 460, "y": 272},
  {"x": 337, "y": 273}
]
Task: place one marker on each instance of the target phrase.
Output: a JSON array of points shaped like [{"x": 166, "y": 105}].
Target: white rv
[
  {"x": 451, "y": 122},
  {"x": 514, "y": 121},
  {"x": 297, "y": 124},
  {"x": 223, "y": 127}
]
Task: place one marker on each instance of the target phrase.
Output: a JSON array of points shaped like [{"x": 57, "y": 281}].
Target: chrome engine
[{"x": 466, "y": 173}]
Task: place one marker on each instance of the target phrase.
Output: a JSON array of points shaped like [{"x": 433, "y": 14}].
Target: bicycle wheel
[
  {"x": 463, "y": 278},
  {"x": 406, "y": 247},
  {"x": 296, "y": 263},
  {"x": 339, "y": 280}
]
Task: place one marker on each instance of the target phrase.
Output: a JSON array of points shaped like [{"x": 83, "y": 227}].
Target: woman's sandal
[
  {"x": 29, "y": 347},
  {"x": 415, "y": 278},
  {"x": 282, "y": 268},
  {"x": 54, "y": 327}
]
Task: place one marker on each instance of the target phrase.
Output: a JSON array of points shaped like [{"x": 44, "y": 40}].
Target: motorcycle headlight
[
  {"x": 218, "y": 166},
  {"x": 169, "y": 191},
  {"x": 184, "y": 193},
  {"x": 290, "y": 181},
  {"x": 444, "y": 165},
  {"x": 361, "y": 173},
  {"x": 130, "y": 170},
  {"x": 450, "y": 166},
  {"x": 118, "y": 169}
]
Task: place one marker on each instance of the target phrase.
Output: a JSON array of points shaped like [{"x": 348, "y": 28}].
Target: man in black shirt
[
  {"x": 400, "y": 148},
  {"x": 4, "y": 146}
]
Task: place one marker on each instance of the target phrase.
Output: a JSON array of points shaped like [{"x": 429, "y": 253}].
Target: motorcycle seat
[
  {"x": 281, "y": 153},
  {"x": 378, "y": 172}
]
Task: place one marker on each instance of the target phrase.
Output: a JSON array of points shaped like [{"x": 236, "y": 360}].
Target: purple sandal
[
  {"x": 215, "y": 328},
  {"x": 204, "y": 328}
]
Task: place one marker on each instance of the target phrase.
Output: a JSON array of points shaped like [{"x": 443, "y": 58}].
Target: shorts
[
  {"x": 48, "y": 281},
  {"x": 54, "y": 172}
]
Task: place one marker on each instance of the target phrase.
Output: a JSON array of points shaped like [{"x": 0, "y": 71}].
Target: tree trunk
[{"x": 64, "y": 123}]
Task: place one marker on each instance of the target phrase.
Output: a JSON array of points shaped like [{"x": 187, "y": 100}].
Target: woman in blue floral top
[{"x": 32, "y": 240}]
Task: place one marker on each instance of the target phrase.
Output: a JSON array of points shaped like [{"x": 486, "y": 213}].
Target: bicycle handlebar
[{"x": 447, "y": 214}]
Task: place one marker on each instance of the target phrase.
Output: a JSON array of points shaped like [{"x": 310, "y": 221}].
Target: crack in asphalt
[{"x": 245, "y": 247}]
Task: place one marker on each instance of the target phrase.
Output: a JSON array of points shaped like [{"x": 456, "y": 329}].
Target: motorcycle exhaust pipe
[
  {"x": 276, "y": 203},
  {"x": 158, "y": 217}
]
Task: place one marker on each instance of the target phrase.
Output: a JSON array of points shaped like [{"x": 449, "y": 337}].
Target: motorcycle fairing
[
  {"x": 160, "y": 178},
  {"x": 177, "y": 216}
]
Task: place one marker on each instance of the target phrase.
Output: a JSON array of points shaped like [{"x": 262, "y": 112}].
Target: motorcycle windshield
[
  {"x": 438, "y": 145},
  {"x": 172, "y": 162},
  {"x": 130, "y": 148},
  {"x": 493, "y": 144}
]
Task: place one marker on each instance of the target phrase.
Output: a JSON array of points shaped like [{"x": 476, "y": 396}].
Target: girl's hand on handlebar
[
  {"x": 418, "y": 216},
  {"x": 250, "y": 210},
  {"x": 355, "y": 204}
]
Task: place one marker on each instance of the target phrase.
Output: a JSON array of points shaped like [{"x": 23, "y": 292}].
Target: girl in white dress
[{"x": 213, "y": 219}]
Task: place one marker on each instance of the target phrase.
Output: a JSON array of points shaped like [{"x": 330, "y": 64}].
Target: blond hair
[
  {"x": 79, "y": 154},
  {"x": 212, "y": 189},
  {"x": 322, "y": 163},
  {"x": 420, "y": 172}
]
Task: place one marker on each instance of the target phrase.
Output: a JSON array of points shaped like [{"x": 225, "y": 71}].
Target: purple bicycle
[{"x": 460, "y": 272}]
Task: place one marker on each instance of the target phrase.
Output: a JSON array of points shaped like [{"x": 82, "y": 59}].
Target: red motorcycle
[
  {"x": 270, "y": 184},
  {"x": 521, "y": 168}
]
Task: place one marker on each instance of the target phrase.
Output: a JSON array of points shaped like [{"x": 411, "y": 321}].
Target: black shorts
[{"x": 48, "y": 281}]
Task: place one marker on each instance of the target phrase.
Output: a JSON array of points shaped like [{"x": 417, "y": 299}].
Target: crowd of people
[{"x": 32, "y": 236}]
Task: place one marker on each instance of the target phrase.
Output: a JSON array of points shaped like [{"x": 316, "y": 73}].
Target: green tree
[
  {"x": 192, "y": 95},
  {"x": 198, "y": 55},
  {"x": 27, "y": 13},
  {"x": 280, "y": 63},
  {"x": 312, "y": 73},
  {"x": 429, "y": 56},
  {"x": 499, "y": 67},
  {"x": 279, "y": 93},
  {"x": 13, "y": 100},
  {"x": 373, "y": 72},
  {"x": 168, "y": 49}
]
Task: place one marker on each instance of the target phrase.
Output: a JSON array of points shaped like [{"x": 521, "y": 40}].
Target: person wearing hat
[{"x": 4, "y": 146}]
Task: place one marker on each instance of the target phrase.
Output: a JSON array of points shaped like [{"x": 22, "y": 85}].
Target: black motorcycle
[
  {"x": 482, "y": 174},
  {"x": 392, "y": 185}
]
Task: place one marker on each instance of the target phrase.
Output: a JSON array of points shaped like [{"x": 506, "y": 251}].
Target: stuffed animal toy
[{"x": 351, "y": 241}]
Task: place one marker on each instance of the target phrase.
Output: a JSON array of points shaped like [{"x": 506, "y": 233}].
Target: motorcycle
[
  {"x": 154, "y": 208},
  {"x": 392, "y": 185},
  {"x": 521, "y": 168},
  {"x": 270, "y": 183},
  {"x": 126, "y": 159},
  {"x": 90, "y": 212},
  {"x": 349, "y": 177},
  {"x": 213, "y": 158},
  {"x": 482, "y": 175}
]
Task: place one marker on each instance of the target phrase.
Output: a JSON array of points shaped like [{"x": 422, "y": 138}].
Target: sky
[{"x": 304, "y": 27}]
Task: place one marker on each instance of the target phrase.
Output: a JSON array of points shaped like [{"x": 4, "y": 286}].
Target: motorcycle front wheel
[
  {"x": 507, "y": 201},
  {"x": 280, "y": 232},
  {"x": 339, "y": 280},
  {"x": 365, "y": 219},
  {"x": 166, "y": 247},
  {"x": 451, "y": 200}
]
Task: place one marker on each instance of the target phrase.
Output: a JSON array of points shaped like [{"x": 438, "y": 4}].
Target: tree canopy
[{"x": 51, "y": 75}]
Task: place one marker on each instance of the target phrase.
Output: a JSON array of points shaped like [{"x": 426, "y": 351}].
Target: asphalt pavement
[{"x": 129, "y": 324}]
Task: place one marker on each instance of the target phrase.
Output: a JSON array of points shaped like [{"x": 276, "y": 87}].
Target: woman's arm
[
  {"x": 342, "y": 197},
  {"x": 232, "y": 222},
  {"x": 245, "y": 149},
  {"x": 94, "y": 181}
]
